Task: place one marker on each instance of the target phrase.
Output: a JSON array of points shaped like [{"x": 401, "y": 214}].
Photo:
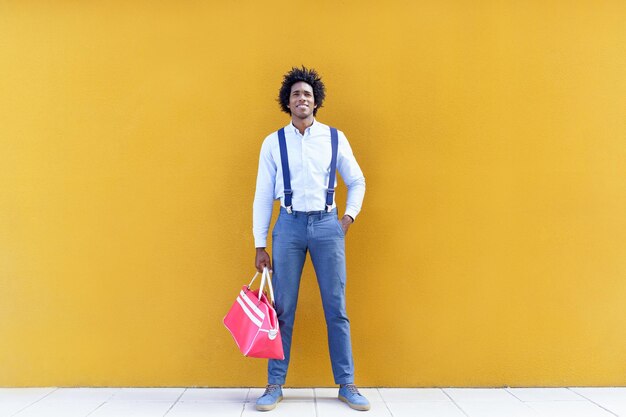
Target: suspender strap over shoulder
[
  {"x": 330, "y": 194},
  {"x": 284, "y": 162}
]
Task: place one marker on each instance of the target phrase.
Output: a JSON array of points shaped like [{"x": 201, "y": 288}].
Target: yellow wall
[{"x": 491, "y": 249}]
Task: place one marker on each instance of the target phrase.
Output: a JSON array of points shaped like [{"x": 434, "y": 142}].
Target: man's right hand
[{"x": 262, "y": 260}]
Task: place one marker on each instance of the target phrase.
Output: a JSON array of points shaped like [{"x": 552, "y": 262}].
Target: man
[{"x": 307, "y": 222}]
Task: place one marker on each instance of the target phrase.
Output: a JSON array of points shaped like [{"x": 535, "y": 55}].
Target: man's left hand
[{"x": 346, "y": 221}]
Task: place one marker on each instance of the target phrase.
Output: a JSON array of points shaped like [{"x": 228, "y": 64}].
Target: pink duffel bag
[{"x": 253, "y": 322}]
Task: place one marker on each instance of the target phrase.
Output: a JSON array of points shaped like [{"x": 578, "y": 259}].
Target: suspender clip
[
  {"x": 329, "y": 199},
  {"x": 288, "y": 194}
]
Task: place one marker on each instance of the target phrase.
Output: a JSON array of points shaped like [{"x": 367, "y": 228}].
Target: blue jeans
[{"x": 320, "y": 234}]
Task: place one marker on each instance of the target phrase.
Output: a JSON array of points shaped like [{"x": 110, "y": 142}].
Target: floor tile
[
  {"x": 289, "y": 394},
  {"x": 327, "y": 407},
  {"x": 568, "y": 409},
  {"x": 544, "y": 394},
  {"x": 412, "y": 394},
  {"x": 371, "y": 394},
  {"x": 205, "y": 409},
  {"x": 254, "y": 394},
  {"x": 13, "y": 400},
  {"x": 238, "y": 395},
  {"x": 8, "y": 408},
  {"x": 496, "y": 409},
  {"x": 425, "y": 408},
  {"x": 616, "y": 407},
  {"x": 298, "y": 394},
  {"x": 284, "y": 409},
  {"x": 602, "y": 394},
  {"x": 60, "y": 408},
  {"x": 96, "y": 394},
  {"x": 132, "y": 409},
  {"x": 24, "y": 394},
  {"x": 613, "y": 399},
  {"x": 309, "y": 402},
  {"x": 480, "y": 394},
  {"x": 147, "y": 394}
]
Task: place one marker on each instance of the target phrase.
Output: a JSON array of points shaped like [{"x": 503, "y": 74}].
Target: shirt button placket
[{"x": 305, "y": 169}]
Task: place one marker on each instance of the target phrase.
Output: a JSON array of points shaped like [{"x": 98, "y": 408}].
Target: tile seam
[{"x": 593, "y": 402}]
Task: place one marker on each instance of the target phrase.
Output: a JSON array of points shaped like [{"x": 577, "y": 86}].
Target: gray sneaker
[{"x": 272, "y": 395}]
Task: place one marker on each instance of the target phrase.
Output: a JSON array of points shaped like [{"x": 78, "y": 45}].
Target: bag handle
[
  {"x": 269, "y": 285},
  {"x": 265, "y": 277},
  {"x": 253, "y": 278}
]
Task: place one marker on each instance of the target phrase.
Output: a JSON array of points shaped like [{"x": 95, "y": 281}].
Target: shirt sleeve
[
  {"x": 264, "y": 195},
  {"x": 352, "y": 175}
]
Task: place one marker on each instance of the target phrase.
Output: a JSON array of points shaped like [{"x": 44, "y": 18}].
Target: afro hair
[{"x": 309, "y": 76}]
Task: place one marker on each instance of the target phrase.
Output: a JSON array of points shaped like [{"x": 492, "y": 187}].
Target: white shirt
[{"x": 309, "y": 168}]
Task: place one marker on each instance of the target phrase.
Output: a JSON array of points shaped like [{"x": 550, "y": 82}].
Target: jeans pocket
[
  {"x": 276, "y": 227},
  {"x": 340, "y": 227}
]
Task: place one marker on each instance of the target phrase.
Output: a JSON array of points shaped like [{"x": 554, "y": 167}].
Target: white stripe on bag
[
  {"x": 251, "y": 305},
  {"x": 249, "y": 313}
]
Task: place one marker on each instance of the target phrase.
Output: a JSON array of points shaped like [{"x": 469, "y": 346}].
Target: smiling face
[{"x": 301, "y": 101}]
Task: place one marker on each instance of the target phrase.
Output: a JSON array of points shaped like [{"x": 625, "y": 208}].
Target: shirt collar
[{"x": 314, "y": 125}]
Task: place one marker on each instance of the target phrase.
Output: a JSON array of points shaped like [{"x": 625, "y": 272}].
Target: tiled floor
[{"x": 313, "y": 402}]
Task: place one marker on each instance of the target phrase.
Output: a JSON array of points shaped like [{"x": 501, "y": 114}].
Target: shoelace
[
  {"x": 270, "y": 389},
  {"x": 352, "y": 389}
]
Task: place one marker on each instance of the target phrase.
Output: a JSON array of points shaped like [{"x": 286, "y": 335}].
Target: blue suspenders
[
  {"x": 284, "y": 160},
  {"x": 285, "y": 165},
  {"x": 330, "y": 194}
]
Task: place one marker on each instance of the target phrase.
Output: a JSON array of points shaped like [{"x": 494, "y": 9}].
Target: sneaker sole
[
  {"x": 269, "y": 407},
  {"x": 353, "y": 405}
]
